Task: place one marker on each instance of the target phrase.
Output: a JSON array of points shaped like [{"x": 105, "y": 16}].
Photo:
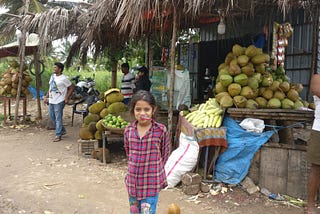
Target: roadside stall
[
  {"x": 253, "y": 85},
  {"x": 10, "y": 78}
]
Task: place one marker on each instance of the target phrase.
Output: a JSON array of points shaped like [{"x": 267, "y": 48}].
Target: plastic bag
[{"x": 253, "y": 125}]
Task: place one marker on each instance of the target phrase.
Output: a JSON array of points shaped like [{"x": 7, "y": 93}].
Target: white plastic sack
[
  {"x": 253, "y": 125},
  {"x": 181, "y": 160}
]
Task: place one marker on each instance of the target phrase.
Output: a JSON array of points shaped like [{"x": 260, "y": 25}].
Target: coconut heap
[
  {"x": 10, "y": 80},
  {"x": 246, "y": 80},
  {"x": 92, "y": 124}
]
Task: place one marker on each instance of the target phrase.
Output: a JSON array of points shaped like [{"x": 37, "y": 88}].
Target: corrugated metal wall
[{"x": 298, "y": 61}]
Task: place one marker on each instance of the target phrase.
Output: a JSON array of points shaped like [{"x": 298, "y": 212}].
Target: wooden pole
[
  {"x": 38, "y": 81},
  {"x": 172, "y": 71},
  {"x": 22, "y": 48},
  {"x": 315, "y": 45},
  {"x": 114, "y": 71}
]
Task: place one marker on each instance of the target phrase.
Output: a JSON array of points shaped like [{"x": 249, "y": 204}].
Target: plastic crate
[{"x": 85, "y": 147}]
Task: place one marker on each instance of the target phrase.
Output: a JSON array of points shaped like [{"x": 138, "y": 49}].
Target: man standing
[
  {"x": 60, "y": 90},
  {"x": 127, "y": 83},
  {"x": 313, "y": 151}
]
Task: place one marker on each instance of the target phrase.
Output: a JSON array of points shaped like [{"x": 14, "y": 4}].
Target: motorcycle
[{"x": 84, "y": 88}]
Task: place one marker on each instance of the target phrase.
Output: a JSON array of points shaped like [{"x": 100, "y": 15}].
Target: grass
[
  {"x": 1, "y": 117},
  {"x": 102, "y": 79}
]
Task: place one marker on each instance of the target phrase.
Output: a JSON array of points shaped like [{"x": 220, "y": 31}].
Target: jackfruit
[
  {"x": 99, "y": 125},
  {"x": 85, "y": 134},
  {"x": 98, "y": 135},
  {"x": 114, "y": 97},
  {"x": 104, "y": 112},
  {"x": 117, "y": 107},
  {"x": 96, "y": 107},
  {"x": 91, "y": 118},
  {"x": 92, "y": 127}
]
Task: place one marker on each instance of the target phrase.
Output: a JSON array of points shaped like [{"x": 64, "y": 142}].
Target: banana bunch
[{"x": 209, "y": 114}]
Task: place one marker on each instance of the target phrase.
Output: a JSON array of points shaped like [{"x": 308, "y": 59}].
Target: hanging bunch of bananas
[{"x": 208, "y": 115}]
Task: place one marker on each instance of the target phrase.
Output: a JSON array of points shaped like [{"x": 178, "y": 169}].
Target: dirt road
[{"x": 39, "y": 176}]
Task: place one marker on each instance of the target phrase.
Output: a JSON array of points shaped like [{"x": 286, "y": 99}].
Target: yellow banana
[{"x": 219, "y": 121}]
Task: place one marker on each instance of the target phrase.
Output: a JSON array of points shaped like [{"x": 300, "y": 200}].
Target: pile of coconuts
[
  {"x": 10, "y": 79},
  {"x": 246, "y": 80}
]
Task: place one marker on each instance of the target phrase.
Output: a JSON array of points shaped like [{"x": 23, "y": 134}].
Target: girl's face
[{"x": 143, "y": 112}]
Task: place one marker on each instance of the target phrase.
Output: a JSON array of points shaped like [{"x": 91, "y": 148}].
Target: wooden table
[
  {"x": 7, "y": 106},
  {"x": 283, "y": 118},
  {"x": 107, "y": 137}
]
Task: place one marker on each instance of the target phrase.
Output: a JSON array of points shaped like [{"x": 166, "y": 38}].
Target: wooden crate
[
  {"x": 282, "y": 169},
  {"x": 85, "y": 147}
]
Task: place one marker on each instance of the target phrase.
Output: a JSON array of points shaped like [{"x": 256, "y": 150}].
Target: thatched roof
[
  {"x": 109, "y": 23},
  {"x": 136, "y": 15}
]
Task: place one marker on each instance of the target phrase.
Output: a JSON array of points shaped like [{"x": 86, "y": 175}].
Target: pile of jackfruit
[
  {"x": 246, "y": 80},
  {"x": 92, "y": 124},
  {"x": 10, "y": 80}
]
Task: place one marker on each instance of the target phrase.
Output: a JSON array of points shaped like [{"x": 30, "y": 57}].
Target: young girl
[{"x": 147, "y": 146}]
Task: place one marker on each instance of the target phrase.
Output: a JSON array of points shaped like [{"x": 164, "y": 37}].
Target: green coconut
[
  {"x": 237, "y": 50},
  {"x": 251, "y": 104},
  {"x": 226, "y": 101},
  {"x": 297, "y": 86},
  {"x": 247, "y": 92},
  {"x": 243, "y": 60},
  {"x": 226, "y": 80},
  {"x": 234, "y": 62},
  {"x": 284, "y": 86},
  {"x": 261, "y": 68},
  {"x": 258, "y": 77},
  {"x": 234, "y": 89},
  {"x": 298, "y": 104},
  {"x": 240, "y": 101},
  {"x": 220, "y": 95},
  {"x": 268, "y": 94},
  {"x": 221, "y": 66},
  {"x": 275, "y": 85},
  {"x": 262, "y": 102},
  {"x": 219, "y": 88},
  {"x": 253, "y": 83},
  {"x": 230, "y": 56},
  {"x": 287, "y": 104},
  {"x": 293, "y": 95},
  {"x": 274, "y": 103},
  {"x": 279, "y": 95},
  {"x": 266, "y": 80},
  {"x": 234, "y": 69},
  {"x": 241, "y": 79},
  {"x": 248, "y": 69}
]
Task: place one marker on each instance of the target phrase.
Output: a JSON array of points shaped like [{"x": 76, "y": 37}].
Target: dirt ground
[{"x": 40, "y": 176}]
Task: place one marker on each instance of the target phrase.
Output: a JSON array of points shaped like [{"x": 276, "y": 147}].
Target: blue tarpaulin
[
  {"x": 33, "y": 91},
  {"x": 234, "y": 163}
]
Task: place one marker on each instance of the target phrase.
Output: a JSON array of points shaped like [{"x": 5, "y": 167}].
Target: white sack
[{"x": 181, "y": 160}]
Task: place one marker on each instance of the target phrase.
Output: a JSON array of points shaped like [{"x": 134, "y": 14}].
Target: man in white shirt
[
  {"x": 127, "y": 83},
  {"x": 60, "y": 90}
]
